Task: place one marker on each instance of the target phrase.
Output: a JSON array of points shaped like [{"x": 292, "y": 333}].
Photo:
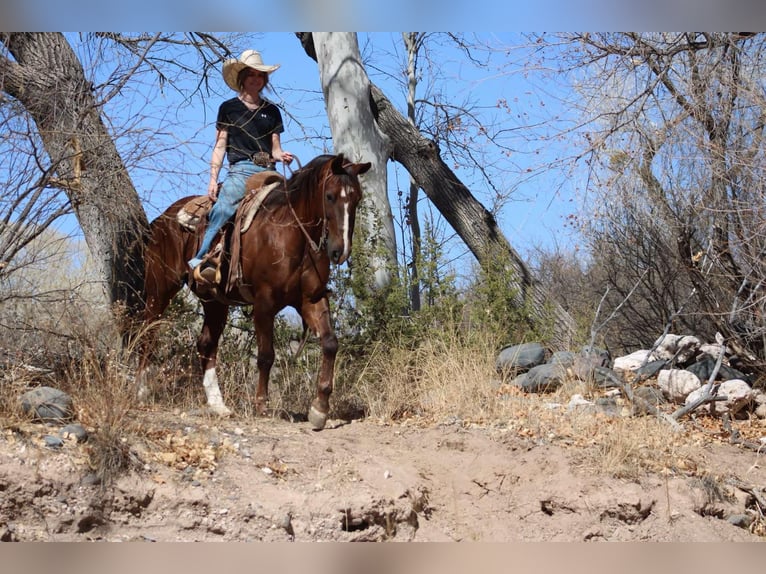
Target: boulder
[
  {"x": 738, "y": 396},
  {"x": 681, "y": 347},
  {"x": 631, "y": 362},
  {"x": 541, "y": 379},
  {"x": 47, "y": 404},
  {"x": 676, "y": 384},
  {"x": 704, "y": 368},
  {"x": 599, "y": 357},
  {"x": 651, "y": 368},
  {"x": 520, "y": 358}
]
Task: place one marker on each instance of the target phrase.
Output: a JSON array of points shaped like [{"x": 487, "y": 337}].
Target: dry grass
[
  {"x": 446, "y": 380},
  {"x": 437, "y": 379}
]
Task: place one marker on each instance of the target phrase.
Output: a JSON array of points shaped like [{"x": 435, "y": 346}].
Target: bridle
[{"x": 316, "y": 247}]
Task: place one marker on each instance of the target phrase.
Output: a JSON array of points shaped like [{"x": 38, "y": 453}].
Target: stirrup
[{"x": 206, "y": 274}]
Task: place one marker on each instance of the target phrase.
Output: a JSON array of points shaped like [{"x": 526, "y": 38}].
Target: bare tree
[
  {"x": 674, "y": 133},
  {"x": 64, "y": 157},
  {"x": 46, "y": 76},
  {"x": 413, "y": 42}
]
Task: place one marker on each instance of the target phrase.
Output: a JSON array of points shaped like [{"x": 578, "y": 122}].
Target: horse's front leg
[
  {"x": 317, "y": 317},
  {"x": 207, "y": 347}
]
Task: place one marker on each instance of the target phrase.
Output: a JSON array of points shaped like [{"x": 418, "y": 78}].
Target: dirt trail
[{"x": 200, "y": 479}]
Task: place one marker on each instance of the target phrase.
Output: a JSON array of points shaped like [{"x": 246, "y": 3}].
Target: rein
[{"x": 323, "y": 237}]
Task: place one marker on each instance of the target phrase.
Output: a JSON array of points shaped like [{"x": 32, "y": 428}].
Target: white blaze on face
[{"x": 345, "y": 227}]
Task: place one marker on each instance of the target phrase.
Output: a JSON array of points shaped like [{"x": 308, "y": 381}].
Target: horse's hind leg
[
  {"x": 207, "y": 347},
  {"x": 317, "y": 317},
  {"x": 264, "y": 332}
]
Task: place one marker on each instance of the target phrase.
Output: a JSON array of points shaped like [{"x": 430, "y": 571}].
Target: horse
[{"x": 285, "y": 255}]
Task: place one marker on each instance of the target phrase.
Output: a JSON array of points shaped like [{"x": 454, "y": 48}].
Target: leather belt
[{"x": 261, "y": 159}]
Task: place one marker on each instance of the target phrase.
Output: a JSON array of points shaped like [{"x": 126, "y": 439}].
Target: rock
[
  {"x": 711, "y": 350},
  {"x": 676, "y": 384},
  {"x": 53, "y": 441},
  {"x": 519, "y": 358},
  {"x": 606, "y": 378},
  {"x": 90, "y": 479},
  {"x": 578, "y": 402},
  {"x": 651, "y": 368},
  {"x": 47, "y": 404},
  {"x": 686, "y": 349},
  {"x": 75, "y": 431},
  {"x": 740, "y": 520},
  {"x": 543, "y": 378},
  {"x": 704, "y": 368},
  {"x": 564, "y": 358},
  {"x": 682, "y": 348},
  {"x": 631, "y": 362},
  {"x": 738, "y": 395},
  {"x": 651, "y": 395},
  {"x": 598, "y": 357},
  {"x": 608, "y": 406}
]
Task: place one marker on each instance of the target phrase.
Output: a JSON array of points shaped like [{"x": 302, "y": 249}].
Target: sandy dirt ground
[{"x": 196, "y": 478}]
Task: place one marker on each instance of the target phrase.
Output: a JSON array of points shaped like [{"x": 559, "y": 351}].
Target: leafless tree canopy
[{"x": 673, "y": 133}]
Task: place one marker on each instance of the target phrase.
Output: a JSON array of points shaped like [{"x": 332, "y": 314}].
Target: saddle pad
[{"x": 258, "y": 186}]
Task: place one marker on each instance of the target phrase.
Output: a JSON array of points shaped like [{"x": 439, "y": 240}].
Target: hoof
[
  {"x": 219, "y": 410},
  {"x": 261, "y": 408},
  {"x": 317, "y": 419}
]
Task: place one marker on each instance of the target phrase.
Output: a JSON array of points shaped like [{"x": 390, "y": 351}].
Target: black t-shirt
[{"x": 249, "y": 131}]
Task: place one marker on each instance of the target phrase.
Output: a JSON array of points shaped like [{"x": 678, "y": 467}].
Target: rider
[{"x": 248, "y": 132}]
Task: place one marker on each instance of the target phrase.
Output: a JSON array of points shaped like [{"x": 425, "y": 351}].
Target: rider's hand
[
  {"x": 212, "y": 190},
  {"x": 285, "y": 157}
]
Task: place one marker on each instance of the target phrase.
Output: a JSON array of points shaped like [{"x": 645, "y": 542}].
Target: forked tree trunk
[
  {"x": 469, "y": 218},
  {"x": 47, "y": 77}
]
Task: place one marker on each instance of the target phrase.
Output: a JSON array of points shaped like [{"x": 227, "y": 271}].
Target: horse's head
[{"x": 341, "y": 194}]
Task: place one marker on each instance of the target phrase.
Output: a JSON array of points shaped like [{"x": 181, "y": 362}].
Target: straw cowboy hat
[{"x": 248, "y": 59}]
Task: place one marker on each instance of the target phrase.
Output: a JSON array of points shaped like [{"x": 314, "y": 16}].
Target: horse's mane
[
  {"x": 302, "y": 182},
  {"x": 305, "y": 178}
]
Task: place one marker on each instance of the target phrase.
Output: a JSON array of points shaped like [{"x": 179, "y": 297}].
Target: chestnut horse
[{"x": 285, "y": 261}]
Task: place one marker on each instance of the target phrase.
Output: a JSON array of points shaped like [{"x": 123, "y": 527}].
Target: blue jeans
[{"x": 231, "y": 193}]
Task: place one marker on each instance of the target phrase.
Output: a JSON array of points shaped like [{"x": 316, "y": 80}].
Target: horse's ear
[
  {"x": 337, "y": 165},
  {"x": 340, "y": 167},
  {"x": 358, "y": 168}
]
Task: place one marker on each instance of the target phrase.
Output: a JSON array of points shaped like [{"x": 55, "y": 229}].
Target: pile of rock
[
  {"x": 676, "y": 369},
  {"x": 53, "y": 407}
]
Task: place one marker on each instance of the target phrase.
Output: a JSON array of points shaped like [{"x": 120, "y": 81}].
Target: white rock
[
  {"x": 666, "y": 346},
  {"x": 676, "y": 384},
  {"x": 578, "y": 401},
  {"x": 683, "y": 347},
  {"x": 737, "y": 392},
  {"x": 687, "y": 348},
  {"x": 713, "y": 349},
  {"x": 631, "y": 362}
]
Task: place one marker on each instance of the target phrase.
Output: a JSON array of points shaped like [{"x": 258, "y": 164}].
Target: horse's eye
[{"x": 330, "y": 197}]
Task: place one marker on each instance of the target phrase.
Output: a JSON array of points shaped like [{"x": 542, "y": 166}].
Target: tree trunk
[
  {"x": 472, "y": 221},
  {"x": 412, "y": 41},
  {"x": 48, "y": 79},
  {"x": 345, "y": 86}
]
